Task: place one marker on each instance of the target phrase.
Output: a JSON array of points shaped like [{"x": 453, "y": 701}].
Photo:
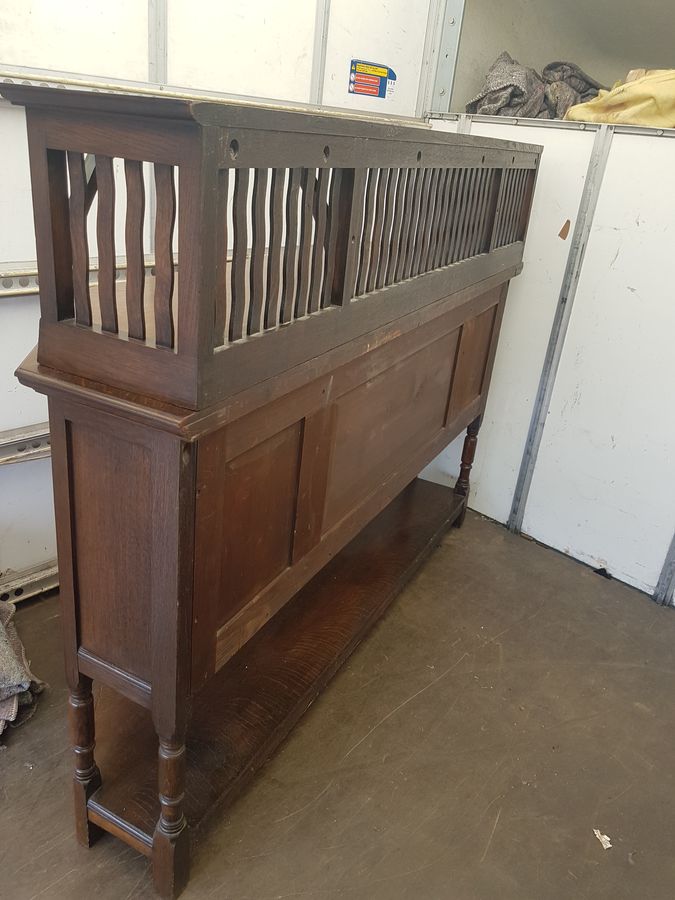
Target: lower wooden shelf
[{"x": 252, "y": 703}]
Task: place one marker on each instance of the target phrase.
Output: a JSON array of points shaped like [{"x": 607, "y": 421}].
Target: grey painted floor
[{"x": 511, "y": 702}]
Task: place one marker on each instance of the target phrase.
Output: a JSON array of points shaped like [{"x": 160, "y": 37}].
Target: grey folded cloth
[
  {"x": 18, "y": 686},
  {"x": 512, "y": 89}
]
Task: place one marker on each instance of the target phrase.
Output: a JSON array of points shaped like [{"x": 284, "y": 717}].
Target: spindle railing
[{"x": 278, "y": 220}]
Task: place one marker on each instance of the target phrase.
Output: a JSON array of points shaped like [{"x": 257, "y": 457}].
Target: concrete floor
[{"x": 511, "y": 702}]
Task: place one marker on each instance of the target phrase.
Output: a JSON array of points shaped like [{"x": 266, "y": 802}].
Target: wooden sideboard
[{"x": 257, "y": 327}]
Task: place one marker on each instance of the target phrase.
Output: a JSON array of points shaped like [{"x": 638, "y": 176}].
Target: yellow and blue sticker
[{"x": 371, "y": 79}]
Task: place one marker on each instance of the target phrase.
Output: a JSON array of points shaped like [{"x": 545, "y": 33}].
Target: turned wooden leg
[
  {"x": 170, "y": 845},
  {"x": 468, "y": 454},
  {"x": 87, "y": 777}
]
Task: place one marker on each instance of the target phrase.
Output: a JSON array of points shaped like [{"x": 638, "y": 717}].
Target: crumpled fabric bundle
[
  {"x": 647, "y": 97},
  {"x": 567, "y": 85},
  {"x": 512, "y": 89},
  {"x": 18, "y": 686}
]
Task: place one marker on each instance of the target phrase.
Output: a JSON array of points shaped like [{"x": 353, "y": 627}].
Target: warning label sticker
[{"x": 372, "y": 79}]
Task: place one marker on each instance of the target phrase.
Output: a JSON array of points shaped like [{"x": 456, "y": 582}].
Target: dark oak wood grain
[
  {"x": 234, "y": 478},
  {"x": 264, "y": 690}
]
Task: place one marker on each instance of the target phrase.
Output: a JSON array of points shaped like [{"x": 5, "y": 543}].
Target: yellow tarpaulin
[{"x": 646, "y": 98}]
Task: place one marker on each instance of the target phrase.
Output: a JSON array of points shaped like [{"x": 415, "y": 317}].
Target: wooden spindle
[
  {"x": 133, "y": 237},
  {"x": 454, "y": 214},
  {"x": 278, "y": 182},
  {"x": 518, "y": 210},
  {"x": 290, "y": 268},
  {"x": 78, "y": 237},
  {"x": 258, "y": 239},
  {"x": 170, "y": 845},
  {"x": 483, "y": 211},
  {"x": 465, "y": 215},
  {"x": 472, "y": 214},
  {"x": 439, "y": 188},
  {"x": 422, "y": 224},
  {"x": 501, "y": 184},
  {"x": 105, "y": 237},
  {"x": 508, "y": 205},
  {"x": 221, "y": 280},
  {"x": 318, "y": 248},
  {"x": 307, "y": 182},
  {"x": 367, "y": 237},
  {"x": 86, "y": 776},
  {"x": 385, "y": 243},
  {"x": 462, "y": 485},
  {"x": 352, "y": 211},
  {"x": 239, "y": 252},
  {"x": 405, "y": 227},
  {"x": 528, "y": 190},
  {"x": 378, "y": 228},
  {"x": 397, "y": 226},
  {"x": 164, "y": 267},
  {"x": 444, "y": 222},
  {"x": 411, "y": 238},
  {"x": 333, "y": 221}
]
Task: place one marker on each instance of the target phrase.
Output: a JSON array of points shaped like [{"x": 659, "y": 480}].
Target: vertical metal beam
[
  {"x": 157, "y": 42},
  {"x": 582, "y": 229},
  {"x": 432, "y": 41},
  {"x": 449, "y": 29},
  {"x": 318, "y": 76},
  {"x": 158, "y": 74},
  {"x": 665, "y": 588}
]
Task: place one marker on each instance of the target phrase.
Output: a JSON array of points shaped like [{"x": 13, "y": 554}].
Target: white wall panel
[
  {"x": 530, "y": 308},
  {"x": 17, "y": 239},
  {"x": 27, "y": 536},
  {"x": 603, "y": 488},
  {"x": 261, "y": 48},
  {"x": 94, "y": 37},
  {"x": 19, "y": 406},
  {"x": 390, "y": 33}
]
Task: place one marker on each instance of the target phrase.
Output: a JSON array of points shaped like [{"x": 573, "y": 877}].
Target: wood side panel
[
  {"x": 260, "y": 494},
  {"x": 245, "y": 521},
  {"x": 380, "y": 421},
  {"x": 111, "y": 520},
  {"x": 472, "y": 358}
]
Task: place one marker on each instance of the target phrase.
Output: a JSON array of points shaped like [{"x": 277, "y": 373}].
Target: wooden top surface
[{"x": 224, "y": 113}]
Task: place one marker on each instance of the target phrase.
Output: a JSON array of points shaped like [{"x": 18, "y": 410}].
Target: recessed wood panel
[
  {"x": 111, "y": 504},
  {"x": 472, "y": 357},
  {"x": 380, "y": 421},
  {"x": 245, "y": 519}
]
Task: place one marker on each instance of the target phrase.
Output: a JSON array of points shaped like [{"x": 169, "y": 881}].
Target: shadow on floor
[{"x": 510, "y": 702}]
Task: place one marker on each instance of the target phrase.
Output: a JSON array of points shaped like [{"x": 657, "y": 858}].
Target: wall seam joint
[{"x": 575, "y": 258}]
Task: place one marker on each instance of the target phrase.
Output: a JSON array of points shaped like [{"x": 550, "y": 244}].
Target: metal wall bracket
[
  {"x": 439, "y": 62},
  {"x": 22, "y": 444},
  {"x": 29, "y": 582},
  {"x": 448, "y": 51}
]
